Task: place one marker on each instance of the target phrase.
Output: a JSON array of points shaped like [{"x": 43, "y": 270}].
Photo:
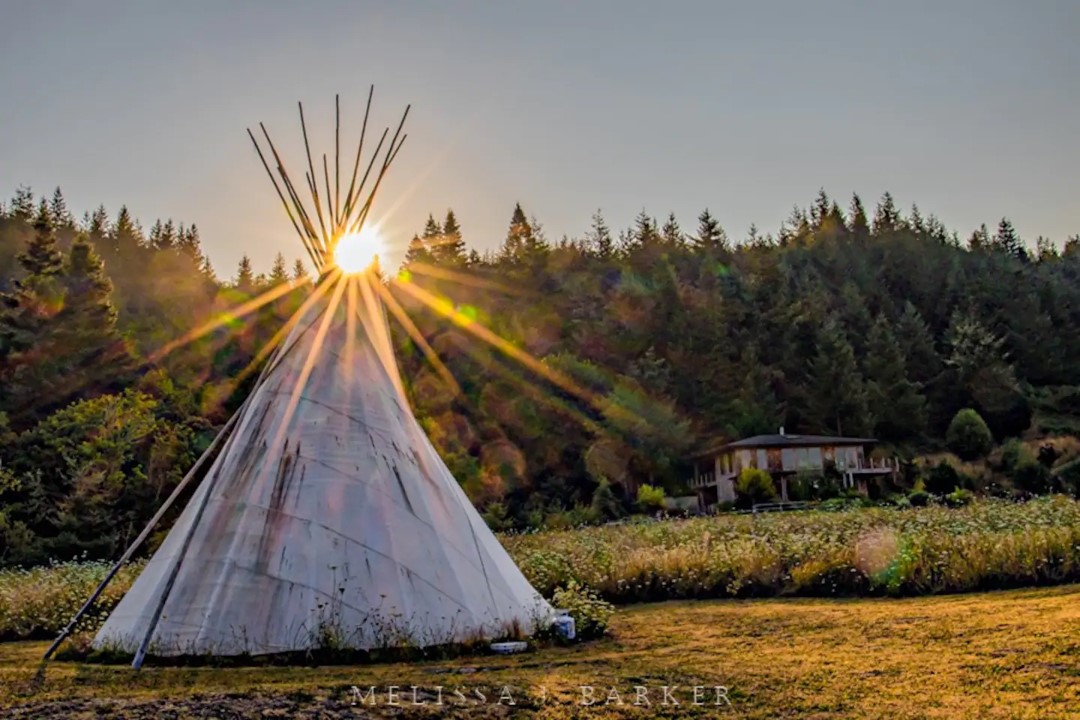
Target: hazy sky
[{"x": 970, "y": 109}]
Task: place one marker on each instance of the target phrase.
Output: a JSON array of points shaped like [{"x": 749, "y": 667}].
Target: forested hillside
[{"x": 609, "y": 356}]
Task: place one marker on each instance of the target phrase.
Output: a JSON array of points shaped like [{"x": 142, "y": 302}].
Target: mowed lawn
[{"x": 1010, "y": 654}]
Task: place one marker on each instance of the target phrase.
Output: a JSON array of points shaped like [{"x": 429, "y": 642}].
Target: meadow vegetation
[{"x": 987, "y": 544}]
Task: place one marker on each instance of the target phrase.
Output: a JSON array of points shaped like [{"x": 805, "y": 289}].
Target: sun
[{"x": 356, "y": 252}]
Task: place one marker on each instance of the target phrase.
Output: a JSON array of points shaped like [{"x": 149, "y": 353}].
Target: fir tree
[
  {"x": 671, "y": 232},
  {"x": 819, "y": 211},
  {"x": 980, "y": 239},
  {"x": 915, "y": 220},
  {"x": 451, "y": 248},
  {"x": 22, "y": 205},
  {"x": 921, "y": 358},
  {"x": 125, "y": 237},
  {"x": 188, "y": 242},
  {"x": 886, "y": 217},
  {"x": 432, "y": 231},
  {"x": 42, "y": 258},
  {"x": 1007, "y": 241},
  {"x": 87, "y": 323},
  {"x": 245, "y": 277},
  {"x": 599, "y": 239},
  {"x": 837, "y": 393},
  {"x": 58, "y": 209},
  {"x": 43, "y": 216},
  {"x": 900, "y": 411},
  {"x": 278, "y": 272},
  {"x": 710, "y": 236},
  {"x": 418, "y": 252},
  {"x": 299, "y": 272},
  {"x": 860, "y": 228},
  {"x": 97, "y": 223},
  {"x": 644, "y": 233},
  {"x": 519, "y": 236}
]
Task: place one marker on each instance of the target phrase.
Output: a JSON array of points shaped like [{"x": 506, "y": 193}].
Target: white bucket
[{"x": 564, "y": 624}]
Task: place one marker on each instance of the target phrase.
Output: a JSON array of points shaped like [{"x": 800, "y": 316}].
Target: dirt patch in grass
[{"x": 1013, "y": 654}]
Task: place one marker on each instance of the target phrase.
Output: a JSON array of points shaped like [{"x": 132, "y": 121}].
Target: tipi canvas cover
[{"x": 327, "y": 517}]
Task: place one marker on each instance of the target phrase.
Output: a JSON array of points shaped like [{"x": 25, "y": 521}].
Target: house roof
[{"x": 785, "y": 440}]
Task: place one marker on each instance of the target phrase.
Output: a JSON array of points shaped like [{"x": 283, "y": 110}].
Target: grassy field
[
  {"x": 1011, "y": 654},
  {"x": 991, "y": 544}
]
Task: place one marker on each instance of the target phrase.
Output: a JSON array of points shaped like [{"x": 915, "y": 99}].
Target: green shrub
[
  {"x": 918, "y": 498},
  {"x": 968, "y": 435},
  {"x": 605, "y": 506},
  {"x": 1013, "y": 453},
  {"x": 754, "y": 486},
  {"x": 1068, "y": 478},
  {"x": 1048, "y": 455},
  {"x": 900, "y": 501},
  {"x": 496, "y": 517},
  {"x": 942, "y": 479},
  {"x": 650, "y": 499},
  {"x": 1033, "y": 478},
  {"x": 591, "y": 614},
  {"x": 959, "y": 498}
]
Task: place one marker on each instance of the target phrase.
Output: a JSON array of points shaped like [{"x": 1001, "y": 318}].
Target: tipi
[{"x": 326, "y": 516}]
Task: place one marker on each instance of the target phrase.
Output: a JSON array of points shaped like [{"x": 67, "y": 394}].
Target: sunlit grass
[{"x": 1009, "y": 654}]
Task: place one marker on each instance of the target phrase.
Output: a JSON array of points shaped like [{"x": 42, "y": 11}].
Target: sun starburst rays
[{"x": 344, "y": 244}]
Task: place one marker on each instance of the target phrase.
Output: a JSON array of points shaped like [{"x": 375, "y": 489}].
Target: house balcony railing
[
  {"x": 873, "y": 466},
  {"x": 864, "y": 466}
]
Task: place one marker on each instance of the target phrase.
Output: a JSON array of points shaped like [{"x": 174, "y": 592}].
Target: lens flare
[{"x": 356, "y": 252}]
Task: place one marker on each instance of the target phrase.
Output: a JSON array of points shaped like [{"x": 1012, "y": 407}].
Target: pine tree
[
  {"x": 299, "y": 272},
  {"x": 886, "y": 217},
  {"x": 58, "y": 209},
  {"x": 860, "y": 228},
  {"x": 98, "y": 223},
  {"x": 915, "y": 220},
  {"x": 88, "y": 316},
  {"x": 836, "y": 392},
  {"x": 710, "y": 236},
  {"x": 278, "y": 273},
  {"x": 43, "y": 216},
  {"x": 644, "y": 232},
  {"x": 125, "y": 237},
  {"x": 899, "y": 408},
  {"x": 819, "y": 211},
  {"x": 418, "y": 252},
  {"x": 22, "y": 205},
  {"x": 980, "y": 239},
  {"x": 451, "y": 248},
  {"x": 599, "y": 239},
  {"x": 57, "y": 333},
  {"x": 245, "y": 276},
  {"x": 188, "y": 242},
  {"x": 921, "y": 357},
  {"x": 1007, "y": 241},
  {"x": 518, "y": 236},
  {"x": 672, "y": 233},
  {"x": 42, "y": 257},
  {"x": 432, "y": 231}
]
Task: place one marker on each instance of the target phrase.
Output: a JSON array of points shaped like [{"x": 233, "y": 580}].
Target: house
[{"x": 782, "y": 455}]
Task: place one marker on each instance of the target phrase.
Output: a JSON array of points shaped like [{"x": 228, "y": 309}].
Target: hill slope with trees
[{"x": 578, "y": 365}]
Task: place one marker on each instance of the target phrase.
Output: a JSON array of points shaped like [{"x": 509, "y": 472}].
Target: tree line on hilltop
[{"x": 615, "y": 354}]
